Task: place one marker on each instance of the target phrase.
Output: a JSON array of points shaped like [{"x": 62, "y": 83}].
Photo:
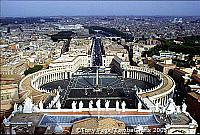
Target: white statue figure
[
  {"x": 35, "y": 108},
  {"x": 41, "y": 105},
  {"x": 52, "y": 102},
  {"x": 91, "y": 105},
  {"x": 123, "y": 106},
  {"x": 58, "y": 105},
  {"x": 74, "y": 106},
  {"x": 59, "y": 88},
  {"x": 162, "y": 110},
  {"x": 157, "y": 107},
  {"x": 15, "y": 107},
  {"x": 28, "y": 106},
  {"x": 5, "y": 121},
  {"x": 107, "y": 105},
  {"x": 57, "y": 93},
  {"x": 80, "y": 106},
  {"x": 49, "y": 106},
  {"x": 139, "y": 105},
  {"x": 20, "y": 108},
  {"x": 178, "y": 109},
  {"x": 184, "y": 107},
  {"x": 98, "y": 104},
  {"x": 171, "y": 107},
  {"x": 117, "y": 105}
]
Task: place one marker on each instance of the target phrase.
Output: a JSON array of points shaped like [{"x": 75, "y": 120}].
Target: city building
[
  {"x": 164, "y": 65},
  {"x": 9, "y": 94}
]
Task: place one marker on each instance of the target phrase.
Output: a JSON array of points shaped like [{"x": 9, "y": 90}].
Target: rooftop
[
  {"x": 95, "y": 123},
  {"x": 195, "y": 95},
  {"x": 22, "y": 119},
  {"x": 129, "y": 120},
  {"x": 174, "y": 119}
]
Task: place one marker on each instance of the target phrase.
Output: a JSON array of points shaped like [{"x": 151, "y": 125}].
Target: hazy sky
[{"x": 73, "y": 8}]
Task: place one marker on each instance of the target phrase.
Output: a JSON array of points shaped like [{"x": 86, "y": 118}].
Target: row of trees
[
  {"x": 62, "y": 35},
  {"x": 191, "y": 45},
  {"x": 111, "y": 32},
  {"x": 33, "y": 70}
]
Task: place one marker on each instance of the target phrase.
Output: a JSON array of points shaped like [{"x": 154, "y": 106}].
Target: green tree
[{"x": 33, "y": 70}]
